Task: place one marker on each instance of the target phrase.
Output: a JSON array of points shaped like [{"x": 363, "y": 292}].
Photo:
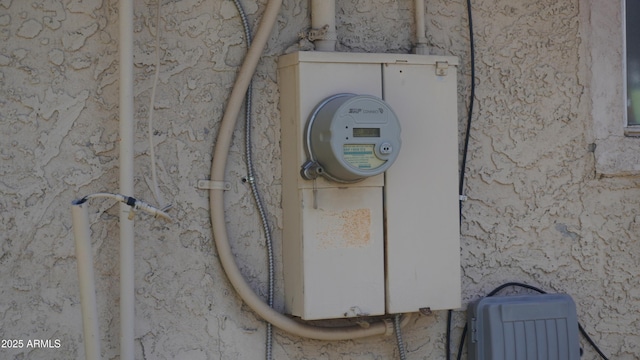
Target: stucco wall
[{"x": 538, "y": 210}]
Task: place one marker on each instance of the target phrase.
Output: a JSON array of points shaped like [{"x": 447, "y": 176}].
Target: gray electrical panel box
[{"x": 523, "y": 327}]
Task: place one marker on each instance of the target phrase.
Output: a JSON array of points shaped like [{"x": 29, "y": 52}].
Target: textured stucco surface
[{"x": 539, "y": 210}]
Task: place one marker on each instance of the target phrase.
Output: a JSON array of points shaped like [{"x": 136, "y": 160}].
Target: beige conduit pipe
[
  {"x": 126, "y": 157},
  {"x": 216, "y": 199},
  {"x": 323, "y": 15},
  {"x": 86, "y": 280},
  {"x": 421, "y": 39}
]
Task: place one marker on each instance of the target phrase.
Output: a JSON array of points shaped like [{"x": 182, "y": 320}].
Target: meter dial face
[{"x": 352, "y": 137}]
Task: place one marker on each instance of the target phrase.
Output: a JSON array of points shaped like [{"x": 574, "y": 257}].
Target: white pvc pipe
[
  {"x": 127, "y": 287},
  {"x": 84, "y": 259},
  {"x": 323, "y": 13},
  {"x": 421, "y": 39},
  {"x": 216, "y": 202}
]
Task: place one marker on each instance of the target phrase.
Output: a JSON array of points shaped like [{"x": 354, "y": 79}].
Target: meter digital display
[
  {"x": 366, "y": 132},
  {"x": 351, "y": 137}
]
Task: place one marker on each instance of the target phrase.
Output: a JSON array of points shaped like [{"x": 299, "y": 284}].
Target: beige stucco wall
[{"x": 543, "y": 207}]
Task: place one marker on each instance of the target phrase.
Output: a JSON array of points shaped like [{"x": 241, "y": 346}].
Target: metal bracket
[
  {"x": 426, "y": 311},
  {"x": 215, "y": 185},
  {"x": 442, "y": 68},
  {"x": 310, "y": 170},
  {"x": 317, "y": 34}
]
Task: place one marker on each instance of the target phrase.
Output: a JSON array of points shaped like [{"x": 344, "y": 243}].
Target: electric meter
[{"x": 350, "y": 137}]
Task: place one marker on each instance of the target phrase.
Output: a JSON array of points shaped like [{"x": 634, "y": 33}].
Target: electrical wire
[
  {"x": 254, "y": 188},
  {"x": 448, "y": 336},
  {"x": 134, "y": 203},
  {"x": 472, "y": 96},
  {"x": 465, "y": 150},
  {"x": 461, "y": 346},
  {"x": 591, "y": 342},
  {"x": 533, "y": 288}
]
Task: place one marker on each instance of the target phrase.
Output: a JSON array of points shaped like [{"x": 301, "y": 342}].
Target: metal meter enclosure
[
  {"x": 369, "y": 228},
  {"x": 351, "y": 137}
]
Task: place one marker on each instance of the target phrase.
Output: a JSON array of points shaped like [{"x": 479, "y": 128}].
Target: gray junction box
[{"x": 523, "y": 327}]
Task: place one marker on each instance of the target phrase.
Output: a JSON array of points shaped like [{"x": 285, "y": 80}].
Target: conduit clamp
[
  {"x": 214, "y": 185},
  {"x": 315, "y": 34}
]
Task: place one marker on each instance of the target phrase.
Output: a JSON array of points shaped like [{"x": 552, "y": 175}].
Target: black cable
[
  {"x": 464, "y": 336},
  {"x": 448, "y": 336},
  {"x": 472, "y": 95},
  {"x": 591, "y": 342},
  {"x": 463, "y": 165},
  {"x": 530, "y": 287}
]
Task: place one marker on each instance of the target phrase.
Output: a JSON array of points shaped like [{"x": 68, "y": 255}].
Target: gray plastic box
[{"x": 523, "y": 327}]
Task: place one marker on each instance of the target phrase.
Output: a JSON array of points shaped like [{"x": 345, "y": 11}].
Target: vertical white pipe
[
  {"x": 421, "y": 39},
  {"x": 84, "y": 258},
  {"x": 323, "y": 13},
  {"x": 127, "y": 288}
]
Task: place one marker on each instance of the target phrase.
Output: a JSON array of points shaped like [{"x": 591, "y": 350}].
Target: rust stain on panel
[{"x": 347, "y": 228}]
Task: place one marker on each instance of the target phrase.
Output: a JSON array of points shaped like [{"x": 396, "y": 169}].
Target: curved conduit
[{"x": 216, "y": 200}]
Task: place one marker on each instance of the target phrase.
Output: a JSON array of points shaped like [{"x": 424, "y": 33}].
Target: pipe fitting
[{"x": 323, "y": 18}]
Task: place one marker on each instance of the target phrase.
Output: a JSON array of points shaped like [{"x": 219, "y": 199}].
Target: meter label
[{"x": 362, "y": 157}]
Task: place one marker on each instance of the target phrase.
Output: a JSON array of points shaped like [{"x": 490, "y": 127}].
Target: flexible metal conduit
[
  {"x": 216, "y": 200},
  {"x": 254, "y": 187}
]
